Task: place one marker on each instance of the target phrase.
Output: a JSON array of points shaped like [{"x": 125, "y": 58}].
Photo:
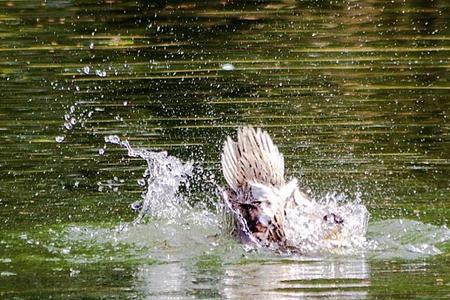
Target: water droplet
[
  {"x": 100, "y": 73},
  {"x": 228, "y": 67},
  {"x": 86, "y": 70},
  {"x": 113, "y": 139},
  {"x": 59, "y": 138}
]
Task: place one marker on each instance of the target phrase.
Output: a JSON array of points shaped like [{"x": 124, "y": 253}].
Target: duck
[{"x": 258, "y": 197}]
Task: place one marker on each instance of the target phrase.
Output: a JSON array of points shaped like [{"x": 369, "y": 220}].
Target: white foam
[{"x": 307, "y": 230}]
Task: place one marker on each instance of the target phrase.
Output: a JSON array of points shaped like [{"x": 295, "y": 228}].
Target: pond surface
[{"x": 355, "y": 93}]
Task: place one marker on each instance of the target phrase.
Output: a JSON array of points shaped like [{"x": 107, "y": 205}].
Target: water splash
[
  {"x": 312, "y": 226},
  {"x": 178, "y": 219},
  {"x": 163, "y": 177},
  {"x": 75, "y": 116},
  {"x": 406, "y": 239}
]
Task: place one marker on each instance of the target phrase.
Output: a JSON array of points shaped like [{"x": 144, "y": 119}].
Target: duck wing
[
  {"x": 254, "y": 170},
  {"x": 252, "y": 158}
]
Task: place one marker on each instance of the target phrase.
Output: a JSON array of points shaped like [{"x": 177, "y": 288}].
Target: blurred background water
[{"x": 355, "y": 93}]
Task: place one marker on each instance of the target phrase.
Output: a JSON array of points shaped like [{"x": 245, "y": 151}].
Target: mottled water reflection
[
  {"x": 163, "y": 281},
  {"x": 308, "y": 279},
  {"x": 287, "y": 279}
]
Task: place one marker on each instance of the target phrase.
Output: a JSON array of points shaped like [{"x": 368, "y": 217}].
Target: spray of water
[
  {"x": 305, "y": 228},
  {"x": 312, "y": 227},
  {"x": 163, "y": 178},
  {"x": 165, "y": 175}
]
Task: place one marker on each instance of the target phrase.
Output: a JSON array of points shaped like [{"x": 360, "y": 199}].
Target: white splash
[
  {"x": 308, "y": 229},
  {"x": 163, "y": 177},
  {"x": 305, "y": 227}
]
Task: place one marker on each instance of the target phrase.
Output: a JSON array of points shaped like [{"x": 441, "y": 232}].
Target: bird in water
[{"x": 259, "y": 198}]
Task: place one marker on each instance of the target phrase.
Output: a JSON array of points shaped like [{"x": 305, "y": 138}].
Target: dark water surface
[{"x": 355, "y": 93}]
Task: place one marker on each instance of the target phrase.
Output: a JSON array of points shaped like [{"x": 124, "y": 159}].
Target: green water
[{"x": 355, "y": 93}]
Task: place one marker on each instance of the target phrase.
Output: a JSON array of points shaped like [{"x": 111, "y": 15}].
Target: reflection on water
[
  {"x": 278, "y": 279},
  {"x": 330, "y": 278},
  {"x": 169, "y": 280}
]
